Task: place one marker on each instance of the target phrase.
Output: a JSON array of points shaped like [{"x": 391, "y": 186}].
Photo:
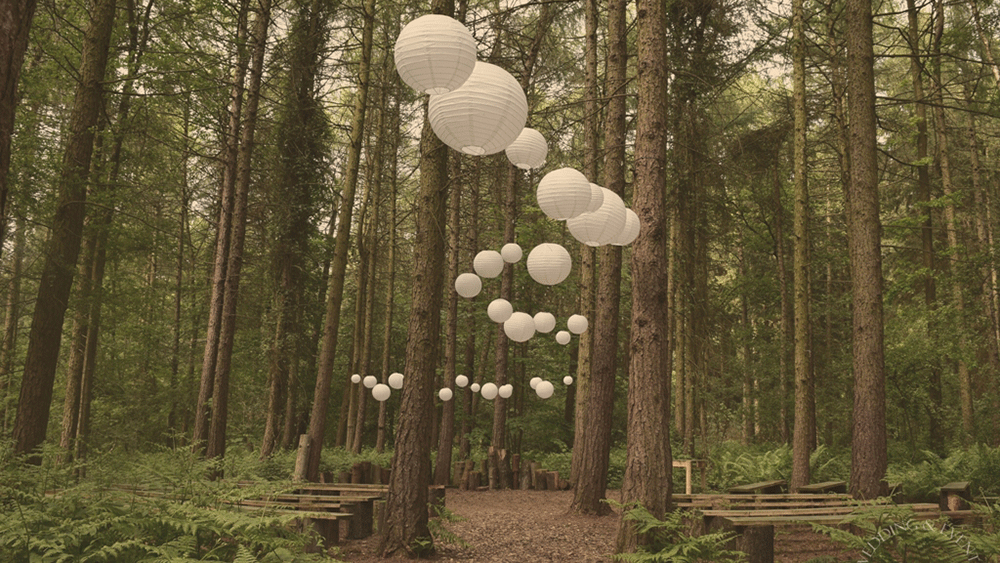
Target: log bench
[
  {"x": 763, "y": 487},
  {"x": 824, "y": 487},
  {"x": 955, "y": 496}
]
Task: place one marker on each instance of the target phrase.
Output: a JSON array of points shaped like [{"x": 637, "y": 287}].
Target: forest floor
[{"x": 536, "y": 526}]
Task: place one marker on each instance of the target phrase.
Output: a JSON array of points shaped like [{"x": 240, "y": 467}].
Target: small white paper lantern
[
  {"x": 630, "y": 231},
  {"x": 370, "y": 381},
  {"x": 545, "y": 389},
  {"x": 511, "y": 252},
  {"x": 602, "y": 226},
  {"x": 549, "y": 264},
  {"x": 356, "y": 378},
  {"x": 474, "y": 387},
  {"x": 568, "y": 380},
  {"x": 488, "y": 263},
  {"x": 461, "y": 380},
  {"x": 596, "y": 198},
  {"x": 520, "y": 327},
  {"x": 544, "y": 322},
  {"x": 468, "y": 285},
  {"x": 563, "y": 193},
  {"x": 445, "y": 394},
  {"x": 435, "y": 54},
  {"x": 499, "y": 310},
  {"x": 577, "y": 324},
  {"x": 528, "y": 150},
  {"x": 534, "y": 382},
  {"x": 490, "y": 391},
  {"x": 381, "y": 392},
  {"x": 505, "y": 391},
  {"x": 563, "y": 337},
  {"x": 484, "y": 115},
  {"x": 395, "y": 380}
]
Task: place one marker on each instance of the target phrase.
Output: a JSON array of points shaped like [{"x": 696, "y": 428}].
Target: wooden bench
[
  {"x": 763, "y": 487},
  {"x": 688, "y": 465},
  {"x": 779, "y": 500},
  {"x": 824, "y": 487},
  {"x": 955, "y": 496}
]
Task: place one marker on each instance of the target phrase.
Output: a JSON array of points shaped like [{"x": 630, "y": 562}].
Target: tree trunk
[
  {"x": 446, "y": 434},
  {"x": 63, "y": 246},
  {"x": 12, "y": 314},
  {"x": 786, "y": 337}
]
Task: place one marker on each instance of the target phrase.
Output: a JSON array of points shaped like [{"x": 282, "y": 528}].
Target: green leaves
[{"x": 671, "y": 542}]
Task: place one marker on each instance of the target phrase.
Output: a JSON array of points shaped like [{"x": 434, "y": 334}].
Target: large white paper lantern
[
  {"x": 534, "y": 382},
  {"x": 577, "y": 324},
  {"x": 370, "y": 381},
  {"x": 563, "y": 337},
  {"x": 568, "y": 380},
  {"x": 461, "y": 380},
  {"x": 488, "y": 263},
  {"x": 490, "y": 391},
  {"x": 545, "y": 389},
  {"x": 544, "y": 322},
  {"x": 511, "y": 252},
  {"x": 602, "y": 226},
  {"x": 630, "y": 231},
  {"x": 356, "y": 378},
  {"x": 474, "y": 387},
  {"x": 520, "y": 327},
  {"x": 563, "y": 193},
  {"x": 499, "y": 310},
  {"x": 435, "y": 54},
  {"x": 381, "y": 392},
  {"x": 395, "y": 380},
  {"x": 596, "y": 198},
  {"x": 549, "y": 264},
  {"x": 484, "y": 115},
  {"x": 505, "y": 391},
  {"x": 528, "y": 150},
  {"x": 445, "y": 394},
  {"x": 468, "y": 285}
]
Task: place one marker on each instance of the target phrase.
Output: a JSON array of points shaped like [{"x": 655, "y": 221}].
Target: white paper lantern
[
  {"x": 630, "y": 231},
  {"x": 474, "y": 387},
  {"x": 577, "y": 324},
  {"x": 534, "y": 382},
  {"x": 488, "y": 263},
  {"x": 528, "y": 150},
  {"x": 355, "y": 378},
  {"x": 544, "y": 322},
  {"x": 395, "y": 380},
  {"x": 381, "y": 392},
  {"x": 370, "y": 381},
  {"x": 499, "y": 310},
  {"x": 568, "y": 380},
  {"x": 505, "y": 391},
  {"x": 563, "y": 193},
  {"x": 468, "y": 285},
  {"x": 435, "y": 54},
  {"x": 511, "y": 252},
  {"x": 596, "y": 198},
  {"x": 602, "y": 226},
  {"x": 484, "y": 115},
  {"x": 545, "y": 389},
  {"x": 549, "y": 264},
  {"x": 445, "y": 394},
  {"x": 563, "y": 337},
  {"x": 461, "y": 380},
  {"x": 520, "y": 327},
  {"x": 490, "y": 391}
]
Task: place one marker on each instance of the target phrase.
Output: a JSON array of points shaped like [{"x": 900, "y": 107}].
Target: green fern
[{"x": 670, "y": 542}]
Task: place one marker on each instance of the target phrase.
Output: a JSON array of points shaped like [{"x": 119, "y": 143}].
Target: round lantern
[
  {"x": 602, "y": 226},
  {"x": 461, "y": 380},
  {"x": 549, "y": 264},
  {"x": 563, "y": 337},
  {"x": 568, "y": 380},
  {"x": 474, "y": 387},
  {"x": 596, "y": 198},
  {"x": 435, "y": 54},
  {"x": 511, "y": 252},
  {"x": 381, "y": 392},
  {"x": 528, "y": 150},
  {"x": 499, "y": 310},
  {"x": 563, "y": 193},
  {"x": 468, "y": 285},
  {"x": 545, "y": 389},
  {"x": 370, "y": 381},
  {"x": 355, "y": 378},
  {"x": 534, "y": 382},
  {"x": 488, "y": 263},
  {"x": 544, "y": 322},
  {"x": 520, "y": 327},
  {"x": 445, "y": 394},
  {"x": 577, "y": 324},
  {"x": 484, "y": 115},
  {"x": 396, "y": 380},
  {"x": 490, "y": 391},
  {"x": 505, "y": 391},
  {"x": 629, "y": 231}
]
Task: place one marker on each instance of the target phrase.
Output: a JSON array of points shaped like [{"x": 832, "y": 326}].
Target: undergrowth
[{"x": 670, "y": 541}]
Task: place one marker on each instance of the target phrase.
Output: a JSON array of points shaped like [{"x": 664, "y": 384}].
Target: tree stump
[
  {"x": 526, "y": 478},
  {"x": 541, "y": 480}
]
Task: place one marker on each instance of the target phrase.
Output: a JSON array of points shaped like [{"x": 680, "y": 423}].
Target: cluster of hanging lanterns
[{"x": 489, "y": 391}]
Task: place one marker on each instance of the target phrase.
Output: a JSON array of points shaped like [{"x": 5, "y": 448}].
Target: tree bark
[
  {"x": 446, "y": 433},
  {"x": 12, "y": 314}
]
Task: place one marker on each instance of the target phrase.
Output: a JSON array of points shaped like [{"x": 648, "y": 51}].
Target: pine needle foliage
[{"x": 670, "y": 541}]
